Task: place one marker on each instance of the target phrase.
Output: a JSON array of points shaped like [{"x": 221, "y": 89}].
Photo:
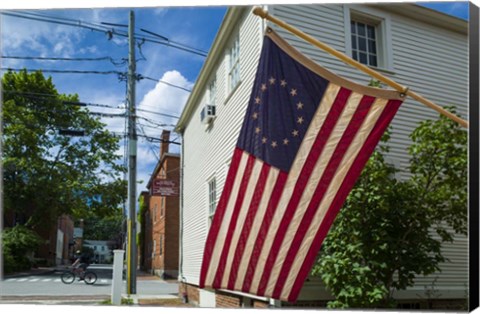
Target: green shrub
[{"x": 18, "y": 242}]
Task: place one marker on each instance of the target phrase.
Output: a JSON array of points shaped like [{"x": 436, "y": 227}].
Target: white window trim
[
  {"x": 231, "y": 89},
  {"x": 212, "y": 98},
  {"x": 210, "y": 214},
  {"x": 383, "y": 33}
]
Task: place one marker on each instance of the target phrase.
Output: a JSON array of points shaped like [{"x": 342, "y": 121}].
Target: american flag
[{"x": 305, "y": 139}]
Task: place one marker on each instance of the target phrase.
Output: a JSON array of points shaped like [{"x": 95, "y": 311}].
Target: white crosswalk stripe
[{"x": 50, "y": 279}]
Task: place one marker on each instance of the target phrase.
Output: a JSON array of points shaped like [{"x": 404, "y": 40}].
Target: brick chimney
[{"x": 165, "y": 142}]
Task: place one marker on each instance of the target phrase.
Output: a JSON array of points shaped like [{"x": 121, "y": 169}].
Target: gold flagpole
[{"x": 403, "y": 90}]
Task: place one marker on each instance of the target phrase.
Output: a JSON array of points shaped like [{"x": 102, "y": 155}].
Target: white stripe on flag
[
  {"x": 310, "y": 136},
  {"x": 334, "y": 186},
  {"x": 257, "y": 221},
  {"x": 309, "y": 190},
  {"x": 254, "y": 178},
  {"x": 219, "y": 241}
]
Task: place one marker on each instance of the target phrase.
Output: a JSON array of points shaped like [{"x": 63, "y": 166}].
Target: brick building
[
  {"x": 57, "y": 247},
  {"x": 161, "y": 219}
]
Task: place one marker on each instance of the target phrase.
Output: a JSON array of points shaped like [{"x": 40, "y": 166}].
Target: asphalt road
[{"x": 51, "y": 285}]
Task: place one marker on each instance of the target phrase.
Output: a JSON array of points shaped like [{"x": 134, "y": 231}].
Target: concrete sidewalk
[{"x": 146, "y": 283}]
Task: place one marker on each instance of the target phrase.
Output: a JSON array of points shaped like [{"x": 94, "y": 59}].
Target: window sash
[
  {"x": 212, "y": 92},
  {"x": 364, "y": 43},
  {"x": 234, "y": 68}
]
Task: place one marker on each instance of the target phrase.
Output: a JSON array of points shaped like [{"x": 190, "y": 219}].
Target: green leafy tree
[
  {"x": 17, "y": 243},
  {"x": 48, "y": 172},
  {"x": 385, "y": 234},
  {"x": 106, "y": 228}
]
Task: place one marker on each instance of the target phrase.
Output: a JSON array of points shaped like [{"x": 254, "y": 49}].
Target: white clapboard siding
[
  {"x": 433, "y": 62},
  {"x": 208, "y": 150}
]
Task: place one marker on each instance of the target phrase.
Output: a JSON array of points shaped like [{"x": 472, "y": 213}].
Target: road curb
[{"x": 30, "y": 273}]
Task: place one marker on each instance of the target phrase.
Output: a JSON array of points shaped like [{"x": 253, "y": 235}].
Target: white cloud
[
  {"x": 161, "y": 99},
  {"x": 167, "y": 99}
]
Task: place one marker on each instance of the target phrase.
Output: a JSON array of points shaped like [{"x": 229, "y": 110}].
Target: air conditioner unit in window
[{"x": 207, "y": 114}]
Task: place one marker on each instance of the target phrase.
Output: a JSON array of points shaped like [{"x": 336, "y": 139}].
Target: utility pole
[{"x": 132, "y": 161}]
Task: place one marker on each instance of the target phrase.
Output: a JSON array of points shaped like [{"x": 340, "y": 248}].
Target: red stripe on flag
[
  {"x": 352, "y": 175},
  {"x": 317, "y": 148},
  {"x": 349, "y": 134},
  {"x": 245, "y": 232},
  {"x": 217, "y": 282},
  {"x": 267, "y": 219},
  {"x": 218, "y": 217}
]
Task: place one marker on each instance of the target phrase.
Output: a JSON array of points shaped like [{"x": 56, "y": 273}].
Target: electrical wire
[
  {"x": 149, "y": 143},
  {"x": 167, "y": 83},
  {"x": 100, "y": 28},
  {"x": 158, "y": 113},
  {"x": 74, "y": 103},
  {"x": 116, "y": 63}
]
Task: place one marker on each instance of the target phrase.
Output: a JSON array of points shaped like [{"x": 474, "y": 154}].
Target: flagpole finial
[{"x": 260, "y": 12}]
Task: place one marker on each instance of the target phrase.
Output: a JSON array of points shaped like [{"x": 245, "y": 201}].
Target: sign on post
[{"x": 164, "y": 187}]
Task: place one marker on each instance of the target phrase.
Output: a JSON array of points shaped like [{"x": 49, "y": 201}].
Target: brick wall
[
  {"x": 260, "y": 304},
  {"x": 227, "y": 300},
  {"x": 172, "y": 165},
  {"x": 191, "y": 291}
]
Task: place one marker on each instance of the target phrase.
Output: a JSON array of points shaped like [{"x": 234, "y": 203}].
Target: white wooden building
[{"x": 415, "y": 46}]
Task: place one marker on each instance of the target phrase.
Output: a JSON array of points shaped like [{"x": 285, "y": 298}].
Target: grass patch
[{"x": 124, "y": 301}]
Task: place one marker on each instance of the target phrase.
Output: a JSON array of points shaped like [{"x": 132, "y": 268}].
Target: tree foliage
[
  {"x": 17, "y": 243},
  {"x": 46, "y": 172},
  {"x": 389, "y": 230},
  {"x": 106, "y": 228}
]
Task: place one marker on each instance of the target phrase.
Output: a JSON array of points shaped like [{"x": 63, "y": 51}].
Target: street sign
[{"x": 164, "y": 187}]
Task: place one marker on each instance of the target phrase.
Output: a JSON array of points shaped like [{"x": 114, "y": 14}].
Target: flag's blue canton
[{"x": 284, "y": 99}]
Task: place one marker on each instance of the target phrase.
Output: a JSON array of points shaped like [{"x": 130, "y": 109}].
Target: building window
[
  {"x": 160, "y": 251},
  {"x": 212, "y": 199},
  {"x": 212, "y": 92},
  {"x": 234, "y": 64},
  {"x": 368, "y": 36},
  {"x": 364, "y": 43},
  {"x": 162, "y": 207},
  {"x": 154, "y": 248},
  {"x": 155, "y": 212}
]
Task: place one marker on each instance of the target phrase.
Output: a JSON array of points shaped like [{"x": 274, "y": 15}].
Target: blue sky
[{"x": 194, "y": 27}]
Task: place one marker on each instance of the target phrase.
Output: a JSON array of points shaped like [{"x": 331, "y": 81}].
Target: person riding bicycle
[{"x": 81, "y": 264}]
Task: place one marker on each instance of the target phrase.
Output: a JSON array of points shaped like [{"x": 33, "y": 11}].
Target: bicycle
[{"x": 89, "y": 277}]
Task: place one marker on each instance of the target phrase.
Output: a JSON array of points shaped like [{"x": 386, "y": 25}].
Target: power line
[
  {"x": 150, "y": 143},
  {"x": 120, "y": 74},
  {"x": 75, "y": 103},
  {"x": 158, "y": 113},
  {"x": 100, "y": 28},
  {"x": 116, "y": 63},
  {"x": 167, "y": 83}
]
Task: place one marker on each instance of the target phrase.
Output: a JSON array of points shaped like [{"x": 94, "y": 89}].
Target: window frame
[
  {"x": 212, "y": 91},
  {"x": 212, "y": 199},
  {"x": 160, "y": 242},
  {"x": 234, "y": 68},
  {"x": 382, "y": 22},
  {"x": 369, "y": 51}
]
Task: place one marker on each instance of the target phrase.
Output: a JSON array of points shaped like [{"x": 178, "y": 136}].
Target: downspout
[{"x": 181, "y": 278}]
